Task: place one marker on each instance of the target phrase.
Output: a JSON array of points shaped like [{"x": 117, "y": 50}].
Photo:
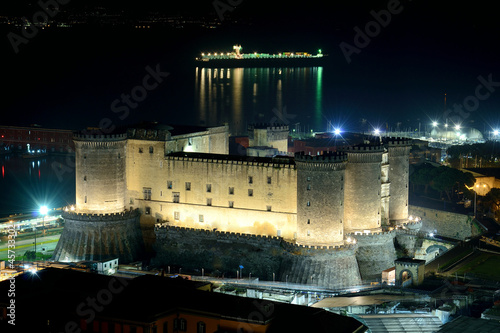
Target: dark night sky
[{"x": 67, "y": 79}]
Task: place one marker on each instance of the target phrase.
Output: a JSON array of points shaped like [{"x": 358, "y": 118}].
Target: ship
[{"x": 240, "y": 59}]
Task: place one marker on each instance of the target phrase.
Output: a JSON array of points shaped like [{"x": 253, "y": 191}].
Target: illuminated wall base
[{"x": 100, "y": 237}]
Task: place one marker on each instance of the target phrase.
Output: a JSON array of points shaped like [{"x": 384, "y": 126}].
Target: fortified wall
[
  {"x": 261, "y": 256},
  {"x": 375, "y": 252},
  {"x": 452, "y": 225},
  {"x": 100, "y": 237}
]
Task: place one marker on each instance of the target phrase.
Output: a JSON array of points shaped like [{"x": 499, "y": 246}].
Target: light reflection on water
[
  {"x": 27, "y": 184},
  {"x": 240, "y": 96}
]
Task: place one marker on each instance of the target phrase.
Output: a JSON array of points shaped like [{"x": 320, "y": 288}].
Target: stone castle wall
[
  {"x": 363, "y": 189},
  {"x": 320, "y": 199},
  {"x": 375, "y": 253},
  {"x": 261, "y": 256},
  {"x": 100, "y": 173},
  {"x": 399, "y": 178},
  {"x": 448, "y": 224},
  {"x": 215, "y": 192},
  {"x": 100, "y": 237}
]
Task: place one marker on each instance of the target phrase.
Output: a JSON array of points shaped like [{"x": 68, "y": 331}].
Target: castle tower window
[
  {"x": 84, "y": 178},
  {"x": 209, "y": 188},
  {"x": 161, "y": 193},
  {"x": 147, "y": 193},
  {"x": 85, "y": 199},
  {"x": 176, "y": 197},
  {"x": 151, "y": 149},
  {"x": 201, "y": 327},
  {"x": 169, "y": 184},
  {"x": 188, "y": 186},
  {"x": 231, "y": 190},
  {"x": 250, "y": 192},
  {"x": 308, "y": 203},
  {"x": 177, "y": 216},
  {"x": 250, "y": 180},
  {"x": 131, "y": 201},
  {"x": 209, "y": 201},
  {"x": 268, "y": 208},
  {"x": 231, "y": 204},
  {"x": 308, "y": 221},
  {"x": 308, "y": 187},
  {"x": 147, "y": 211},
  {"x": 119, "y": 155},
  {"x": 140, "y": 150},
  {"x": 308, "y": 179},
  {"x": 201, "y": 218},
  {"x": 269, "y": 180},
  {"x": 308, "y": 233}
]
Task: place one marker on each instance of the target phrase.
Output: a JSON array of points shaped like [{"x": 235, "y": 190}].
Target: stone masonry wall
[{"x": 448, "y": 224}]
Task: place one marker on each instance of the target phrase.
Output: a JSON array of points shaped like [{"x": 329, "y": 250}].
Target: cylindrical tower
[
  {"x": 100, "y": 228},
  {"x": 320, "y": 199},
  {"x": 100, "y": 173},
  {"x": 363, "y": 188},
  {"x": 399, "y": 152}
]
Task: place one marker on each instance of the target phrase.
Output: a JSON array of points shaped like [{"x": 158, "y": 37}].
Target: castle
[{"x": 326, "y": 220}]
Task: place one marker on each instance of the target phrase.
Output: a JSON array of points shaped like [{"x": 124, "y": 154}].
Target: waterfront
[{"x": 28, "y": 184}]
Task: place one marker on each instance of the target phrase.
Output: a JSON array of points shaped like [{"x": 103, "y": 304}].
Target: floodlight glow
[
  {"x": 457, "y": 127},
  {"x": 376, "y": 131},
  {"x": 337, "y": 131},
  {"x": 434, "y": 123},
  {"x": 44, "y": 210},
  {"x": 496, "y": 132},
  {"x": 431, "y": 234}
]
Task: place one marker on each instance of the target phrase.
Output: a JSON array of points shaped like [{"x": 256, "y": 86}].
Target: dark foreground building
[{"x": 56, "y": 300}]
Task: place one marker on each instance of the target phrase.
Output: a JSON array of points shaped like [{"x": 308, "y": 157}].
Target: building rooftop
[{"x": 277, "y": 159}]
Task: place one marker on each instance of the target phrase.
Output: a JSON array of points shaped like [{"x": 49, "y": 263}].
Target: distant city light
[
  {"x": 434, "y": 123},
  {"x": 496, "y": 132},
  {"x": 337, "y": 131},
  {"x": 376, "y": 131},
  {"x": 457, "y": 127}
]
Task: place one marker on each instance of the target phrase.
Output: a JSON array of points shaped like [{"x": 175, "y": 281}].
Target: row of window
[
  {"x": 201, "y": 218},
  {"x": 209, "y": 186},
  {"x": 151, "y": 150},
  {"x": 176, "y": 195}
]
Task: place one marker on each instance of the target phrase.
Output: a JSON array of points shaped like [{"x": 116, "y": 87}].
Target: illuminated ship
[{"x": 239, "y": 59}]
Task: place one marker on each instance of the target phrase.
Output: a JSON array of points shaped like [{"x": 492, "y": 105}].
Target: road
[{"x": 48, "y": 243}]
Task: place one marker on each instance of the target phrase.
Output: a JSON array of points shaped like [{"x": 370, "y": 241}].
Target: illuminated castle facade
[{"x": 319, "y": 211}]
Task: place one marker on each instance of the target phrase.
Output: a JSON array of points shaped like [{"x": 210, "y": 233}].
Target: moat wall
[
  {"x": 264, "y": 257},
  {"x": 375, "y": 253}
]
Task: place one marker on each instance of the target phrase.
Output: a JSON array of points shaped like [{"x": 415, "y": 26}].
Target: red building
[{"x": 45, "y": 139}]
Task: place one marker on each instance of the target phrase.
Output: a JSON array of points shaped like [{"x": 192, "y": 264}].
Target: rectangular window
[
  {"x": 308, "y": 179},
  {"x": 209, "y": 188},
  {"x": 140, "y": 150},
  {"x": 176, "y": 197},
  {"x": 308, "y": 187},
  {"x": 269, "y": 180},
  {"x": 268, "y": 208},
  {"x": 161, "y": 193},
  {"x": 250, "y": 192},
  {"x": 231, "y": 204},
  {"x": 188, "y": 186},
  {"x": 169, "y": 184},
  {"x": 250, "y": 180},
  {"x": 148, "y": 211},
  {"x": 231, "y": 190},
  {"x": 209, "y": 202},
  {"x": 308, "y": 221},
  {"x": 131, "y": 201},
  {"x": 308, "y": 203},
  {"x": 201, "y": 218},
  {"x": 147, "y": 193},
  {"x": 85, "y": 199},
  {"x": 151, "y": 149},
  {"x": 308, "y": 233},
  {"x": 177, "y": 216}
]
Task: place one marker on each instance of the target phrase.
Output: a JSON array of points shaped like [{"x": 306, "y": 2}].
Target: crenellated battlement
[
  {"x": 396, "y": 141},
  {"x": 330, "y": 157},
  {"x": 99, "y": 137},
  {"x": 364, "y": 148},
  {"x": 148, "y": 134},
  {"x": 100, "y": 217},
  {"x": 162, "y": 229},
  {"x": 372, "y": 238},
  {"x": 279, "y": 162}
]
